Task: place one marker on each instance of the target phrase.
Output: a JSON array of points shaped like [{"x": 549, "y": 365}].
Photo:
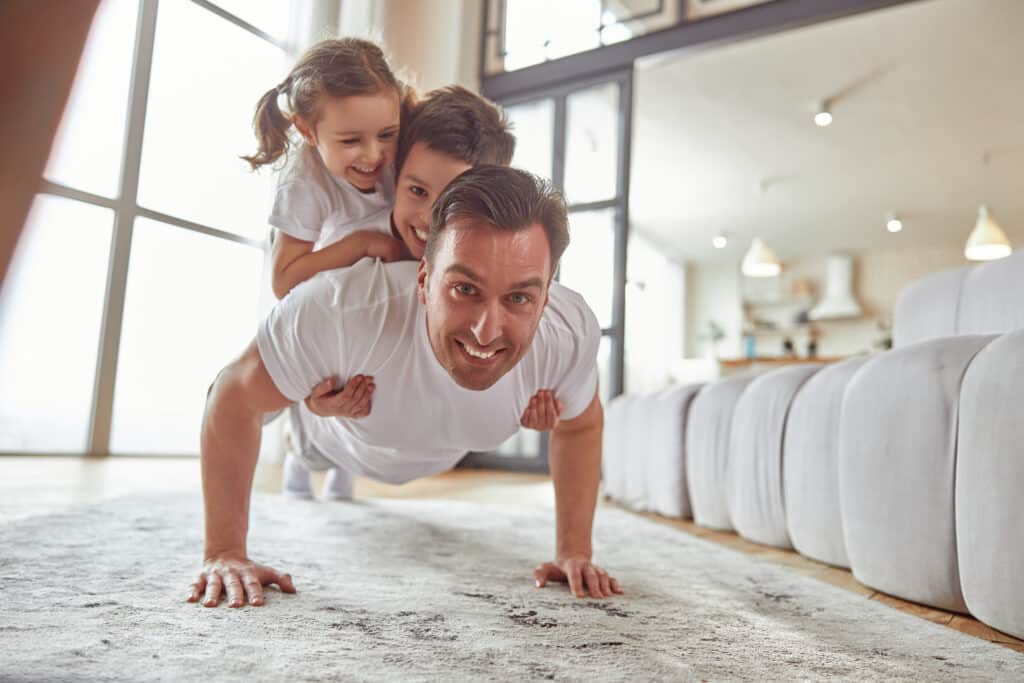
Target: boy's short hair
[{"x": 458, "y": 122}]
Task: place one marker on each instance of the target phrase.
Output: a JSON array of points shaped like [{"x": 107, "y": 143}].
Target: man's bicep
[
  {"x": 248, "y": 382},
  {"x": 592, "y": 417}
]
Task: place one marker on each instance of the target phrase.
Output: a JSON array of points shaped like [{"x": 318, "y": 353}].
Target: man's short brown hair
[
  {"x": 502, "y": 198},
  {"x": 459, "y": 123}
]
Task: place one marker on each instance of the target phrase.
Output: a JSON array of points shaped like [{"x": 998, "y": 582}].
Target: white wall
[{"x": 713, "y": 294}]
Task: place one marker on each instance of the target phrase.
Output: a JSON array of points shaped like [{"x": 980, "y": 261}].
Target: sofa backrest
[
  {"x": 987, "y": 298},
  {"x": 992, "y": 297},
  {"x": 928, "y": 308}
]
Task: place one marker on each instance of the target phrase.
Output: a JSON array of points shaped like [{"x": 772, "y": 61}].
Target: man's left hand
[{"x": 581, "y": 574}]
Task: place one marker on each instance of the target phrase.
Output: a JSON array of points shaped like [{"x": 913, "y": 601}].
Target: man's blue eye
[
  {"x": 464, "y": 288},
  {"x": 520, "y": 299}
]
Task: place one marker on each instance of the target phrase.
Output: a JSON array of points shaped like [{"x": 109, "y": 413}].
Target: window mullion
[{"x": 120, "y": 248}]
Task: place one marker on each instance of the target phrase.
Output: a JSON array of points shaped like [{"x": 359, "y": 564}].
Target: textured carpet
[{"x": 394, "y": 590}]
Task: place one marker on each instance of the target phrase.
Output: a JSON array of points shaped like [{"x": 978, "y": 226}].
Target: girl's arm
[{"x": 295, "y": 261}]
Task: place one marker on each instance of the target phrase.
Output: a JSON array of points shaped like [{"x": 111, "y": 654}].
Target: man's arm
[
  {"x": 242, "y": 393},
  {"x": 574, "y": 455}
]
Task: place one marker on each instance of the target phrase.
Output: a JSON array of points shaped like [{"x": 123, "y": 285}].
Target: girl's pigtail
[{"x": 271, "y": 128}]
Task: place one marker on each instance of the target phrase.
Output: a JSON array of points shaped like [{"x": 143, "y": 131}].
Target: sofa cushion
[
  {"x": 897, "y": 458},
  {"x": 990, "y": 485},
  {"x": 707, "y": 449},
  {"x": 810, "y": 468},
  {"x": 928, "y": 308},
  {"x": 754, "y": 473}
]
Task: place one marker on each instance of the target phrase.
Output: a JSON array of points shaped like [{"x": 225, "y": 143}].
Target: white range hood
[{"x": 838, "y": 301}]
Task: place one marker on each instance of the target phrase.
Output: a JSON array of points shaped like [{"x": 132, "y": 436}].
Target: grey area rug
[{"x": 398, "y": 590}]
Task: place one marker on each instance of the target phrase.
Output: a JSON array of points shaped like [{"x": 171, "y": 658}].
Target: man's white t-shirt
[
  {"x": 367, "y": 319},
  {"x": 307, "y": 194}
]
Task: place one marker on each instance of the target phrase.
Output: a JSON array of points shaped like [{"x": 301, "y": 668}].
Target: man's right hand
[{"x": 241, "y": 579}]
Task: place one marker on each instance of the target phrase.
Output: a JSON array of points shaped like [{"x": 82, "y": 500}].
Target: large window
[
  {"x": 140, "y": 272},
  {"x": 521, "y": 33}
]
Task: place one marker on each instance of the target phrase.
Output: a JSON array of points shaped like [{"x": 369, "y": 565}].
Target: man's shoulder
[{"x": 568, "y": 315}]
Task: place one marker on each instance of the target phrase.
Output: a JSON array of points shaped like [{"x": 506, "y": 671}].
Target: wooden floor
[{"x": 38, "y": 485}]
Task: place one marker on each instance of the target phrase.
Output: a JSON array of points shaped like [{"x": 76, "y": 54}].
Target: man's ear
[
  {"x": 305, "y": 130},
  {"x": 422, "y": 275}
]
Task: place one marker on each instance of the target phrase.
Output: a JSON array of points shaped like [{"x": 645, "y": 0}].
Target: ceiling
[{"x": 724, "y": 138}]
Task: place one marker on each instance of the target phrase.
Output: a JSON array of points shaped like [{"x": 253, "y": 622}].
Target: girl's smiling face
[{"x": 356, "y": 136}]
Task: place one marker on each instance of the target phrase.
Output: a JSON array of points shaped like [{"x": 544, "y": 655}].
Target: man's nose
[{"x": 488, "y": 324}]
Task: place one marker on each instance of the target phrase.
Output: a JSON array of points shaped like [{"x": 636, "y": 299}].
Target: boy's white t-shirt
[
  {"x": 307, "y": 194},
  {"x": 367, "y": 319}
]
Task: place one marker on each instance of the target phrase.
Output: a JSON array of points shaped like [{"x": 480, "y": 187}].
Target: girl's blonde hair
[{"x": 337, "y": 68}]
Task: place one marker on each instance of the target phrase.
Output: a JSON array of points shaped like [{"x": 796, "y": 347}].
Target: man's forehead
[{"x": 475, "y": 244}]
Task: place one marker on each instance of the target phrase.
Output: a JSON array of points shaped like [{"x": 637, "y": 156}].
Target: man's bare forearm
[
  {"x": 230, "y": 445},
  {"x": 575, "y": 460}
]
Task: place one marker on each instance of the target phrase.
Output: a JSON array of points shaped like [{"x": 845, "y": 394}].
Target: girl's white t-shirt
[{"x": 307, "y": 194}]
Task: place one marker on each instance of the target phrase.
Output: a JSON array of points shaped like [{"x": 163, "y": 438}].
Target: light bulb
[
  {"x": 823, "y": 118},
  {"x": 894, "y": 225},
  {"x": 720, "y": 241}
]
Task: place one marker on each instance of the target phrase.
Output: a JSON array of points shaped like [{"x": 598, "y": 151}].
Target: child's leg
[
  {"x": 296, "y": 479},
  {"x": 338, "y": 485}
]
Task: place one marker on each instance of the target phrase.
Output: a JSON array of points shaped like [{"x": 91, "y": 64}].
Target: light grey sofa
[{"x": 907, "y": 466}]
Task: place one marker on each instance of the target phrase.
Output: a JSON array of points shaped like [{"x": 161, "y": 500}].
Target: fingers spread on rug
[
  {"x": 239, "y": 579},
  {"x": 582, "y": 575}
]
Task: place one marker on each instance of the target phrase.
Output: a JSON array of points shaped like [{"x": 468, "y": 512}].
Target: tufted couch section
[{"x": 906, "y": 466}]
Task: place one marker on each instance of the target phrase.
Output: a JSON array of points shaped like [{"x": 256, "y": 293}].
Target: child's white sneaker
[
  {"x": 296, "y": 480},
  {"x": 338, "y": 485}
]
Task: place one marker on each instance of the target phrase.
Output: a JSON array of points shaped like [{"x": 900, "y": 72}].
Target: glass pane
[
  {"x": 534, "y": 126},
  {"x": 573, "y": 26},
  {"x": 604, "y": 369},
  {"x": 269, "y": 16},
  {"x": 592, "y": 143},
  {"x": 50, "y": 312},
  {"x": 524, "y": 44},
  {"x": 207, "y": 76},
  {"x": 588, "y": 264},
  {"x": 90, "y": 141},
  {"x": 192, "y": 304}
]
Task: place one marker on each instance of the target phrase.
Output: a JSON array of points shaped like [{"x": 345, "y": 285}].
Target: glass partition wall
[{"x": 139, "y": 271}]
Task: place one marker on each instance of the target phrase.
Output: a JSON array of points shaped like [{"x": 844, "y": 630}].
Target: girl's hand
[
  {"x": 352, "y": 400},
  {"x": 543, "y": 411}
]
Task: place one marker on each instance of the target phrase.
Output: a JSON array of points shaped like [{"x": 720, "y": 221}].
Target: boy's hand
[
  {"x": 353, "y": 400},
  {"x": 384, "y": 247},
  {"x": 543, "y": 411}
]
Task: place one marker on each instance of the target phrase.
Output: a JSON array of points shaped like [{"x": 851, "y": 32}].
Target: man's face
[
  {"x": 485, "y": 293},
  {"x": 425, "y": 173}
]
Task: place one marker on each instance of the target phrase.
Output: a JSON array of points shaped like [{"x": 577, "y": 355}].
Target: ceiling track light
[
  {"x": 823, "y": 117},
  {"x": 893, "y": 223},
  {"x": 720, "y": 241}
]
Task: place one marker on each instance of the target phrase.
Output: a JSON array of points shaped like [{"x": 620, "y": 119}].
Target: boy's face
[{"x": 423, "y": 177}]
